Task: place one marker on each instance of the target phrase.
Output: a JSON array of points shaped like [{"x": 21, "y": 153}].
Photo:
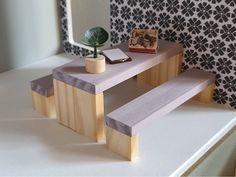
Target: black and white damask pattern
[
  {"x": 68, "y": 47},
  {"x": 206, "y": 28}
]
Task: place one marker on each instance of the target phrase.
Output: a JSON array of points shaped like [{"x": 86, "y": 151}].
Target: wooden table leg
[
  {"x": 122, "y": 144},
  {"x": 79, "y": 110},
  {"x": 44, "y": 105},
  {"x": 163, "y": 72},
  {"x": 206, "y": 96}
]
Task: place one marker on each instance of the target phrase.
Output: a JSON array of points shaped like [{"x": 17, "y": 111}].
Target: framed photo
[{"x": 144, "y": 40}]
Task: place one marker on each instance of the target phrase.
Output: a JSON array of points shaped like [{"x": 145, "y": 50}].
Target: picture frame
[{"x": 144, "y": 40}]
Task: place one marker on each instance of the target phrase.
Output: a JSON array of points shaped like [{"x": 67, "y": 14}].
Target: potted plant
[{"x": 95, "y": 37}]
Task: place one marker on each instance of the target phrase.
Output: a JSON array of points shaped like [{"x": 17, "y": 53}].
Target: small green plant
[{"x": 95, "y": 37}]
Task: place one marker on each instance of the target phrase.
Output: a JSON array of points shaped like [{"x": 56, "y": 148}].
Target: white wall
[
  {"x": 29, "y": 31},
  {"x": 89, "y": 13}
]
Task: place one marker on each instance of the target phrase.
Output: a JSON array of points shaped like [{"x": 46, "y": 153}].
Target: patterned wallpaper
[
  {"x": 206, "y": 28},
  {"x": 68, "y": 47}
]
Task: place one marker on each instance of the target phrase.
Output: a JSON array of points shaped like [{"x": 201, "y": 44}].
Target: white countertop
[{"x": 31, "y": 145}]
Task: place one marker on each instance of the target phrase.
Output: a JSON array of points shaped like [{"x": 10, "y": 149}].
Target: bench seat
[
  {"x": 127, "y": 121},
  {"x": 43, "y": 96}
]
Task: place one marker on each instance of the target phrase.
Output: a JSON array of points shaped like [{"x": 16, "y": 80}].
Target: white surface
[
  {"x": 33, "y": 146},
  {"x": 115, "y": 54}
]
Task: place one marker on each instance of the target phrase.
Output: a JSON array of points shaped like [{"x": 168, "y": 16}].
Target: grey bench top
[
  {"x": 132, "y": 117},
  {"x": 43, "y": 86},
  {"x": 74, "y": 73}
]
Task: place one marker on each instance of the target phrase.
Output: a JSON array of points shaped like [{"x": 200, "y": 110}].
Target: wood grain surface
[
  {"x": 163, "y": 72},
  {"x": 44, "y": 105},
  {"x": 79, "y": 110},
  {"x": 122, "y": 144}
]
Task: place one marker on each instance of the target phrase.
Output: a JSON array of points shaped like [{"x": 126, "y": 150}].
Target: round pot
[{"x": 95, "y": 65}]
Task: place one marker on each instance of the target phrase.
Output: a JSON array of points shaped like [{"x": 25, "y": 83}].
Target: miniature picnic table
[{"x": 79, "y": 95}]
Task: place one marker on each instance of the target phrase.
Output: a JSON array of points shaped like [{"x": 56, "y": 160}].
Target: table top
[{"x": 74, "y": 73}]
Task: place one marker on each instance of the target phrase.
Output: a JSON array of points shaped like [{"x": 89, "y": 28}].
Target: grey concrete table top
[{"x": 74, "y": 73}]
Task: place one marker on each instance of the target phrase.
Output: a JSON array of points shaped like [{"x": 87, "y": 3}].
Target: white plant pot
[{"x": 95, "y": 65}]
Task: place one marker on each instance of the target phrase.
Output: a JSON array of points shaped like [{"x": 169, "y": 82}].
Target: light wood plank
[
  {"x": 44, "y": 105},
  {"x": 151, "y": 76},
  {"x": 206, "y": 96},
  {"x": 57, "y": 101},
  {"x": 89, "y": 114},
  {"x": 171, "y": 68},
  {"x": 180, "y": 59},
  {"x": 121, "y": 144},
  {"x": 163, "y": 72},
  {"x": 60, "y": 102},
  {"x": 80, "y": 110}
]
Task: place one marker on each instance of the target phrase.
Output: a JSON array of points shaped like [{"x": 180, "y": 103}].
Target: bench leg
[
  {"x": 163, "y": 72},
  {"x": 44, "y": 105},
  {"x": 206, "y": 96},
  {"x": 79, "y": 110},
  {"x": 122, "y": 144}
]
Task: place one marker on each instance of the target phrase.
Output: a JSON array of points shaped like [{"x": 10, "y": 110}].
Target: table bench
[
  {"x": 125, "y": 123},
  {"x": 43, "y": 96},
  {"x": 79, "y": 95}
]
